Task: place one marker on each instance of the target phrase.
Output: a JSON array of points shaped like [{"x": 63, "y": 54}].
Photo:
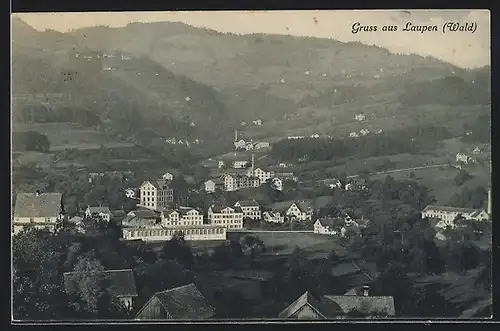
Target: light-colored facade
[
  {"x": 325, "y": 226},
  {"x": 240, "y": 164},
  {"x": 277, "y": 183},
  {"x": 156, "y": 195},
  {"x": 209, "y": 186},
  {"x": 447, "y": 215},
  {"x": 103, "y": 212},
  {"x": 167, "y": 176},
  {"x": 130, "y": 193},
  {"x": 237, "y": 182},
  {"x": 181, "y": 216},
  {"x": 300, "y": 211},
  {"x": 195, "y": 232},
  {"x": 231, "y": 218},
  {"x": 250, "y": 208},
  {"x": 273, "y": 217},
  {"x": 263, "y": 175},
  {"x": 38, "y": 210},
  {"x": 460, "y": 157},
  {"x": 262, "y": 144},
  {"x": 240, "y": 144}
]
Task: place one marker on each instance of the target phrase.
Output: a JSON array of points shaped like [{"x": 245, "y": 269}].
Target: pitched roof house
[
  {"x": 351, "y": 304},
  {"x": 41, "y": 210},
  {"x": 121, "y": 284},
  {"x": 179, "y": 303}
]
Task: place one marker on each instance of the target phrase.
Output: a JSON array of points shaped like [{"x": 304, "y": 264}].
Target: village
[{"x": 158, "y": 218}]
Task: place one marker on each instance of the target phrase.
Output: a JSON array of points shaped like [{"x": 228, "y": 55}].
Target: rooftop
[
  {"x": 121, "y": 282},
  {"x": 248, "y": 203},
  {"x": 184, "y": 302},
  {"x": 42, "y": 205},
  {"x": 447, "y": 209}
]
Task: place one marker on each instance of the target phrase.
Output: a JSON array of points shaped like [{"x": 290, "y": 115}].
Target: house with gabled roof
[
  {"x": 447, "y": 215},
  {"x": 212, "y": 185},
  {"x": 350, "y": 305},
  {"x": 38, "y": 210},
  {"x": 250, "y": 208},
  {"x": 229, "y": 217},
  {"x": 121, "y": 284},
  {"x": 273, "y": 217},
  {"x": 300, "y": 210},
  {"x": 181, "y": 216},
  {"x": 103, "y": 212},
  {"x": 329, "y": 225},
  {"x": 179, "y": 303}
]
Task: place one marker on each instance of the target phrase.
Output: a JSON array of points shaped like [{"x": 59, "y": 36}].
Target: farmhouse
[
  {"x": 156, "y": 194},
  {"x": 103, "y": 212},
  {"x": 353, "y": 303},
  {"x": 463, "y": 158},
  {"x": 121, "y": 284},
  {"x": 300, "y": 210},
  {"x": 181, "y": 216},
  {"x": 333, "y": 183},
  {"x": 273, "y": 217},
  {"x": 141, "y": 218},
  {"x": 261, "y": 144},
  {"x": 39, "y": 210},
  {"x": 240, "y": 144},
  {"x": 212, "y": 185},
  {"x": 329, "y": 225},
  {"x": 250, "y": 208},
  {"x": 477, "y": 150},
  {"x": 359, "y": 117},
  {"x": 130, "y": 193},
  {"x": 249, "y": 146},
  {"x": 231, "y": 218},
  {"x": 277, "y": 183},
  {"x": 179, "y": 303},
  {"x": 262, "y": 174},
  {"x": 167, "y": 176},
  {"x": 353, "y": 135},
  {"x": 447, "y": 215}
]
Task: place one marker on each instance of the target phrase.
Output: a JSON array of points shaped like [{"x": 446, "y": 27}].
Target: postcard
[{"x": 251, "y": 166}]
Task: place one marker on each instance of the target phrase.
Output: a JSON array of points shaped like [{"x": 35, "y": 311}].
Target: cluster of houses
[
  {"x": 192, "y": 302},
  {"x": 363, "y": 132},
  {"x": 311, "y": 136},
  {"x": 241, "y": 177},
  {"x": 187, "y": 143},
  {"x": 462, "y": 158},
  {"x": 241, "y": 144}
]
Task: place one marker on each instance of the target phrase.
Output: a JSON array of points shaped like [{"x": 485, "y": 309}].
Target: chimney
[
  {"x": 366, "y": 290},
  {"x": 37, "y": 192},
  {"x": 236, "y": 135},
  {"x": 489, "y": 201}
]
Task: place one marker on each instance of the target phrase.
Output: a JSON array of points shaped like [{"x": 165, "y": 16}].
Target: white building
[
  {"x": 300, "y": 210},
  {"x": 220, "y": 164},
  {"x": 229, "y": 217},
  {"x": 156, "y": 194},
  {"x": 262, "y": 144},
  {"x": 334, "y": 183},
  {"x": 273, "y": 217},
  {"x": 38, "y": 210},
  {"x": 331, "y": 226},
  {"x": 364, "y": 132},
  {"x": 167, "y": 176},
  {"x": 196, "y": 232},
  {"x": 257, "y": 122},
  {"x": 353, "y": 135},
  {"x": 460, "y": 157},
  {"x": 212, "y": 185},
  {"x": 447, "y": 215},
  {"x": 477, "y": 150},
  {"x": 240, "y": 164},
  {"x": 240, "y": 144},
  {"x": 277, "y": 184},
  {"x": 234, "y": 182},
  {"x": 262, "y": 174},
  {"x": 250, "y": 208},
  {"x": 130, "y": 193},
  {"x": 103, "y": 212},
  {"x": 314, "y": 136},
  {"x": 181, "y": 216},
  {"x": 359, "y": 117},
  {"x": 249, "y": 146}
]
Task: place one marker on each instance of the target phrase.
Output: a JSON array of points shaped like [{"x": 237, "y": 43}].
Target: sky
[{"x": 464, "y": 49}]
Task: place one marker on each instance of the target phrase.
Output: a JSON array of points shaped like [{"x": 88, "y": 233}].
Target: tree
[
  {"x": 461, "y": 177},
  {"x": 252, "y": 246},
  {"x": 177, "y": 249}
]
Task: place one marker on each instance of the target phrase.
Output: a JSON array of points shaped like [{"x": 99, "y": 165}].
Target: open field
[
  {"x": 283, "y": 243},
  {"x": 69, "y": 135},
  {"x": 34, "y": 158}
]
